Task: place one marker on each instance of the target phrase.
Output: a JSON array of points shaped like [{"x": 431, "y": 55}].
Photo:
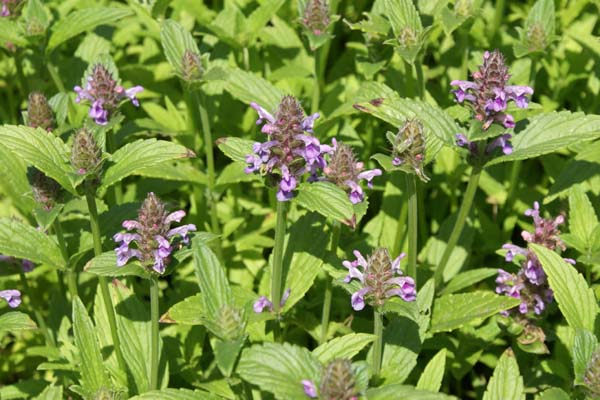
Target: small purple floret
[{"x": 12, "y": 297}]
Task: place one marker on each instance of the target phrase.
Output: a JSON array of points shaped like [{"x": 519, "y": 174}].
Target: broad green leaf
[
  {"x": 36, "y": 18},
  {"x": 23, "y": 389},
  {"x": 554, "y": 394},
  {"x": 468, "y": 278},
  {"x": 449, "y": 310},
  {"x": 346, "y": 346},
  {"x": 189, "y": 311},
  {"x": 174, "y": 171},
  {"x": 575, "y": 299},
  {"x": 550, "y": 132},
  {"x": 52, "y": 392},
  {"x": 406, "y": 25},
  {"x": 431, "y": 378},
  {"x": 106, "y": 265},
  {"x": 84, "y": 20},
  {"x": 15, "y": 321},
  {"x": 584, "y": 346},
  {"x": 212, "y": 280},
  {"x": 41, "y": 149},
  {"x": 259, "y": 18},
  {"x": 582, "y": 217},
  {"x": 176, "y": 394},
  {"x": 325, "y": 198},
  {"x": 401, "y": 346},
  {"x": 175, "y": 41},
  {"x": 136, "y": 156},
  {"x": 93, "y": 375},
  {"x": 404, "y": 392},
  {"x": 227, "y": 352},
  {"x": 248, "y": 87},
  {"x": 279, "y": 369},
  {"x": 23, "y": 241},
  {"x": 235, "y": 148},
  {"x": 11, "y": 32},
  {"x": 14, "y": 181},
  {"x": 506, "y": 383}
]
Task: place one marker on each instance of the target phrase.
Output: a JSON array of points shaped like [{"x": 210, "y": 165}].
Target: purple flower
[
  {"x": 153, "y": 237},
  {"x": 264, "y": 302},
  {"x": 380, "y": 279},
  {"x": 502, "y": 142},
  {"x": 105, "y": 94},
  {"x": 12, "y": 297},
  {"x": 291, "y": 150},
  {"x": 408, "y": 148},
  {"x": 309, "y": 388}
]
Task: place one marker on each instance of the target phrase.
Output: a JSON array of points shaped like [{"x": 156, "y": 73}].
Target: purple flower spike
[
  {"x": 262, "y": 303},
  {"x": 12, "y": 297},
  {"x": 309, "y": 388},
  {"x": 153, "y": 238}
]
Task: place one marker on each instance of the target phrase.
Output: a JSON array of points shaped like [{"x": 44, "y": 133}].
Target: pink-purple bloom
[
  {"x": 12, "y": 297},
  {"x": 153, "y": 237},
  {"x": 291, "y": 150},
  {"x": 104, "y": 94},
  {"x": 380, "y": 278},
  {"x": 264, "y": 302},
  {"x": 26, "y": 265},
  {"x": 309, "y": 388}
]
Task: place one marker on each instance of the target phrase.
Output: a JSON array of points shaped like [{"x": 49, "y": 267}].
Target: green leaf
[
  {"x": 449, "y": 310},
  {"x": 176, "y": 394},
  {"x": 23, "y": 389},
  {"x": 212, "y": 280},
  {"x": 136, "y": 156},
  {"x": 401, "y": 346},
  {"x": 468, "y": 278},
  {"x": 51, "y": 393},
  {"x": 15, "y": 321},
  {"x": 279, "y": 369},
  {"x": 41, "y": 149},
  {"x": 93, "y": 375},
  {"x": 11, "y": 32},
  {"x": 346, "y": 346},
  {"x": 554, "y": 394},
  {"x": 259, "y": 18},
  {"x": 404, "y": 392},
  {"x": 407, "y": 27},
  {"x": 175, "y": 41},
  {"x": 248, "y": 87},
  {"x": 583, "y": 347},
  {"x": 550, "y": 132},
  {"x": 227, "y": 352},
  {"x": 84, "y": 20},
  {"x": 189, "y": 311},
  {"x": 23, "y": 241},
  {"x": 325, "y": 198},
  {"x": 106, "y": 265},
  {"x": 14, "y": 181},
  {"x": 235, "y": 148},
  {"x": 582, "y": 217},
  {"x": 506, "y": 383},
  {"x": 541, "y": 22},
  {"x": 431, "y": 378},
  {"x": 575, "y": 299}
]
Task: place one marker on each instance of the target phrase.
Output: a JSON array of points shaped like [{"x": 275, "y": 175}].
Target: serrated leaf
[
  {"x": 279, "y": 369},
  {"x": 15, "y": 321},
  {"x": 346, "y": 346},
  {"x": 467, "y": 279},
  {"x": 41, "y": 149},
  {"x": 84, "y": 20},
  {"x": 259, "y": 18},
  {"x": 575, "y": 299},
  {"x": 11, "y": 32},
  {"x": 582, "y": 217},
  {"x": 175, "y": 41},
  {"x": 176, "y": 394},
  {"x": 212, "y": 280},
  {"x": 136, "y": 156},
  {"x": 584, "y": 345},
  {"x": 506, "y": 383},
  {"x": 227, "y": 352},
  {"x": 235, "y": 148},
  {"x": 106, "y": 265},
  {"x": 189, "y": 311},
  {"x": 248, "y": 87},
  {"x": 401, "y": 346},
  {"x": 14, "y": 181},
  {"x": 554, "y": 394},
  {"x": 23, "y": 241},
  {"x": 325, "y": 198},
  {"x": 52, "y": 392},
  {"x": 549, "y": 132},
  {"x": 404, "y": 392},
  {"x": 431, "y": 378},
  {"x": 93, "y": 374},
  {"x": 449, "y": 310}
]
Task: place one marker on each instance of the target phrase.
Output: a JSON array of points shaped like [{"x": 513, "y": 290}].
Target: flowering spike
[
  {"x": 191, "y": 66},
  {"x": 45, "y": 190},
  {"x": 338, "y": 381},
  {"x": 316, "y": 16},
  {"x": 231, "y": 322},
  {"x": 39, "y": 113},
  {"x": 153, "y": 237},
  {"x": 86, "y": 155},
  {"x": 12, "y": 297},
  {"x": 10, "y": 8},
  {"x": 591, "y": 377},
  {"x": 408, "y": 150}
]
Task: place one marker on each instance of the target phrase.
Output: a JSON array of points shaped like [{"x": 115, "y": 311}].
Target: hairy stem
[
  {"x": 420, "y": 78},
  {"x": 317, "y": 84},
  {"x": 459, "y": 225},
  {"x": 413, "y": 226},
  {"x": 335, "y": 238},
  {"x": 277, "y": 270},
  {"x": 70, "y": 272},
  {"x": 154, "y": 351},
  {"x": 378, "y": 344},
  {"x": 55, "y": 76}
]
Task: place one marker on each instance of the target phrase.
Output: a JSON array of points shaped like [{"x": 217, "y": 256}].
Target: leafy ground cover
[{"x": 269, "y": 199}]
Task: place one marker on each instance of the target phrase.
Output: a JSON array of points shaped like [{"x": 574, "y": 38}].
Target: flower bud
[
  {"x": 11, "y": 8},
  {"x": 536, "y": 37},
  {"x": 191, "y": 66},
  {"x": 338, "y": 381},
  {"x": 408, "y": 38},
  {"x": 591, "y": 377},
  {"x": 86, "y": 155},
  {"x": 39, "y": 113},
  {"x": 316, "y": 16},
  {"x": 409, "y": 148},
  {"x": 231, "y": 321},
  {"x": 45, "y": 190}
]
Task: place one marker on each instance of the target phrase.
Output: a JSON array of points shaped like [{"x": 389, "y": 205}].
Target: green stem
[
  {"x": 37, "y": 314},
  {"x": 20, "y": 75},
  {"x": 420, "y": 78},
  {"x": 413, "y": 226},
  {"x": 154, "y": 354},
  {"x": 316, "y": 97},
  {"x": 109, "y": 308},
  {"x": 246, "y": 57},
  {"x": 55, "y": 77},
  {"x": 70, "y": 272},
  {"x": 117, "y": 190},
  {"x": 335, "y": 238},
  {"x": 398, "y": 240},
  {"x": 463, "y": 212},
  {"x": 498, "y": 16},
  {"x": 277, "y": 270},
  {"x": 512, "y": 188},
  {"x": 378, "y": 344}
]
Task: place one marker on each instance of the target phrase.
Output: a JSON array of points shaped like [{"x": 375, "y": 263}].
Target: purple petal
[
  {"x": 175, "y": 216},
  {"x": 358, "y": 299},
  {"x": 369, "y": 175},
  {"x": 131, "y": 94},
  {"x": 262, "y": 114},
  {"x": 309, "y": 388},
  {"x": 396, "y": 262},
  {"x": 12, "y": 297},
  {"x": 262, "y": 303},
  {"x": 308, "y": 123}
]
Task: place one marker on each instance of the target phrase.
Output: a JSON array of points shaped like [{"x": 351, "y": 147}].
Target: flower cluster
[
  {"x": 316, "y": 16},
  {"x": 10, "y": 7},
  {"x": 264, "y": 302},
  {"x": 26, "y": 265},
  {"x": 338, "y": 381},
  {"x": 39, "y": 113},
  {"x": 408, "y": 148},
  {"x": 488, "y": 95},
  {"x": 12, "y": 297},
  {"x": 380, "y": 277},
  {"x": 105, "y": 94},
  {"x": 591, "y": 376},
  {"x": 46, "y": 191},
  {"x": 191, "y": 66},
  {"x": 343, "y": 170},
  {"x": 153, "y": 235},
  {"x": 291, "y": 150},
  {"x": 86, "y": 154},
  {"x": 530, "y": 284}
]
